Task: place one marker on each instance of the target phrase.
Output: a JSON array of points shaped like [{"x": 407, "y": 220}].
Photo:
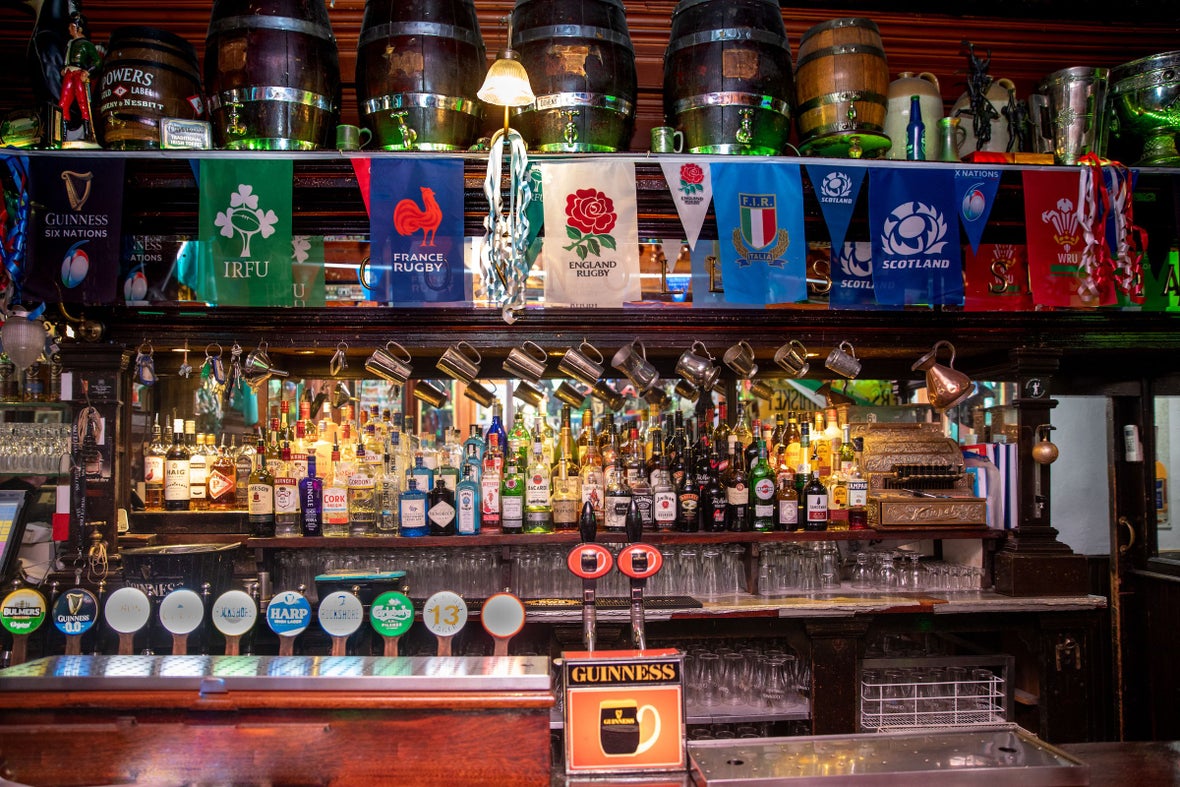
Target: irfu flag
[
  {"x": 307, "y": 270},
  {"x": 245, "y": 232}
]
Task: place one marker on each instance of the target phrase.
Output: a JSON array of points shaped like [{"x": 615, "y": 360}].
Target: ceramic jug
[
  {"x": 997, "y": 96},
  {"x": 897, "y": 115}
]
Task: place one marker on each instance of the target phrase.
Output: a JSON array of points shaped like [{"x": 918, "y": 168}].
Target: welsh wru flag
[{"x": 245, "y": 228}]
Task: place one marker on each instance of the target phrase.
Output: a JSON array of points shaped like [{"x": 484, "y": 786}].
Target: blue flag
[
  {"x": 916, "y": 253},
  {"x": 416, "y": 232},
  {"x": 975, "y": 191},
  {"x": 836, "y": 188},
  {"x": 852, "y": 277},
  {"x": 759, "y": 209}
]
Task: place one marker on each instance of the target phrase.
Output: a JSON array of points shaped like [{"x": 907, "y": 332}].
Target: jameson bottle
[
  {"x": 762, "y": 492},
  {"x": 311, "y": 501},
  {"x": 467, "y": 506},
  {"x": 261, "y": 512}
]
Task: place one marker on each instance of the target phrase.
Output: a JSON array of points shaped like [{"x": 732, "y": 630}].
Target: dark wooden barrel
[
  {"x": 581, "y": 65},
  {"x": 842, "y": 89},
  {"x": 272, "y": 75},
  {"x": 419, "y": 65},
  {"x": 727, "y": 76},
  {"x": 148, "y": 74}
]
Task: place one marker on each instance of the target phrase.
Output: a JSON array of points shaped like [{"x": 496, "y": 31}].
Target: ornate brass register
[{"x": 916, "y": 478}]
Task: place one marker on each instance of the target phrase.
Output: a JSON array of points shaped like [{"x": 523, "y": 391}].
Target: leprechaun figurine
[{"x": 81, "y": 59}]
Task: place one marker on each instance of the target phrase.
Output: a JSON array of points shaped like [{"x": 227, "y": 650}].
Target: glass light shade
[
  {"x": 507, "y": 83},
  {"x": 23, "y": 339}
]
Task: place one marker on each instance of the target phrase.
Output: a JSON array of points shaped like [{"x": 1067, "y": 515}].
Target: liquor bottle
[
  {"x": 520, "y": 439},
  {"x": 538, "y": 510},
  {"x": 858, "y": 490},
  {"x": 586, "y": 436},
  {"x": 450, "y": 457},
  {"x": 261, "y": 511},
  {"x": 705, "y": 455},
  {"x": 803, "y": 471},
  {"x": 440, "y": 513},
  {"x": 704, "y": 430},
  {"x": 412, "y": 511},
  {"x": 608, "y": 442},
  {"x": 421, "y": 473},
  {"x": 655, "y": 455},
  {"x": 643, "y": 498},
  {"x": 362, "y": 496},
  {"x": 243, "y": 466},
  {"x": 335, "y": 511},
  {"x": 821, "y": 448},
  {"x": 915, "y": 132},
  {"x": 198, "y": 467},
  {"x": 714, "y": 501},
  {"x": 593, "y": 482},
  {"x": 633, "y": 463},
  {"x": 299, "y": 451},
  {"x": 816, "y": 497},
  {"x": 286, "y": 498},
  {"x": 474, "y": 448},
  {"x": 741, "y": 427},
  {"x": 762, "y": 492},
  {"x": 176, "y": 480},
  {"x": 664, "y": 506},
  {"x": 794, "y": 443},
  {"x": 467, "y": 503},
  {"x": 543, "y": 431},
  {"x": 496, "y": 427},
  {"x": 677, "y": 451},
  {"x": 737, "y": 495},
  {"x": 153, "y": 469},
  {"x": 566, "y": 451},
  {"x": 489, "y": 483},
  {"x": 567, "y": 497},
  {"x": 311, "y": 501},
  {"x": 788, "y": 503},
  {"x": 721, "y": 431},
  {"x": 653, "y": 432},
  {"x": 274, "y": 449},
  {"x": 688, "y": 497},
  {"x": 391, "y": 487},
  {"x": 777, "y": 436},
  {"x": 618, "y": 497},
  {"x": 512, "y": 497},
  {"x": 751, "y": 450},
  {"x": 221, "y": 480}
]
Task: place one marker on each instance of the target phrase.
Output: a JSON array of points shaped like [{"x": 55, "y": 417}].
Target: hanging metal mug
[
  {"x": 792, "y": 357},
  {"x": 391, "y": 362},
  {"x": 479, "y": 393},
  {"x": 339, "y": 360},
  {"x": 842, "y": 360},
  {"x": 740, "y": 358},
  {"x": 528, "y": 393},
  {"x": 631, "y": 360},
  {"x": 527, "y": 362},
  {"x": 569, "y": 393},
  {"x": 145, "y": 365},
  {"x": 698, "y": 368},
  {"x": 582, "y": 363},
  {"x": 461, "y": 361},
  {"x": 430, "y": 393}
]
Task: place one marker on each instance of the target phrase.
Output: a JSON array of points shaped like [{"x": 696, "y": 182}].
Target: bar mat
[{"x": 613, "y": 602}]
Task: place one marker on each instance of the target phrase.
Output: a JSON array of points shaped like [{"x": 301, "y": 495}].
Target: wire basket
[{"x": 950, "y": 691}]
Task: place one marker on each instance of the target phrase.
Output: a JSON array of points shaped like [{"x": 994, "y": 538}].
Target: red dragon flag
[
  {"x": 591, "y": 251},
  {"x": 416, "y": 253}
]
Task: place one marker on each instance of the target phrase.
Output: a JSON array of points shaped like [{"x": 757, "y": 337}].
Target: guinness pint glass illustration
[{"x": 623, "y": 727}]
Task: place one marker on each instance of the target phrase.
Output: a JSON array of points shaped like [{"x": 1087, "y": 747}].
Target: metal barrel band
[
  {"x": 840, "y": 49},
  {"x": 685, "y": 5},
  {"x": 393, "y": 101},
  {"x": 837, "y": 24},
  {"x": 720, "y": 35},
  {"x": 733, "y": 98},
  {"x": 275, "y": 93},
  {"x": 420, "y": 28},
  {"x": 284, "y": 24},
  {"x": 842, "y": 97},
  {"x": 603, "y": 35}
]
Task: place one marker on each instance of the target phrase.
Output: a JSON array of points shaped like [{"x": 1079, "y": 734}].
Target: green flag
[
  {"x": 1162, "y": 283},
  {"x": 246, "y": 252},
  {"x": 307, "y": 270}
]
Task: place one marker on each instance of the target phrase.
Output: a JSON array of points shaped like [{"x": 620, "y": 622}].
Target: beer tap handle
[
  {"x": 587, "y": 523},
  {"x": 633, "y": 525},
  {"x": 638, "y": 636}
]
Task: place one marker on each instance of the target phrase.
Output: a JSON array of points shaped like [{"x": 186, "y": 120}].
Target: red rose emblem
[
  {"x": 692, "y": 174},
  {"x": 590, "y": 211}
]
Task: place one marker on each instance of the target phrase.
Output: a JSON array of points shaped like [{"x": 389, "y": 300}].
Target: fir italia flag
[{"x": 245, "y": 225}]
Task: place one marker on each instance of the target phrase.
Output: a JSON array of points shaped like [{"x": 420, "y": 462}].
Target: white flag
[
  {"x": 692, "y": 191},
  {"x": 591, "y": 250}
]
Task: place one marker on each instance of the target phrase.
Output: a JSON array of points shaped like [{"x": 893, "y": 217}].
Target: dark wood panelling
[
  {"x": 1023, "y": 49},
  {"x": 1159, "y": 634}
]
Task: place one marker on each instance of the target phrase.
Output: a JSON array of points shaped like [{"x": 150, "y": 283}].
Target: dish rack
[{"x": 935, "y": 692}]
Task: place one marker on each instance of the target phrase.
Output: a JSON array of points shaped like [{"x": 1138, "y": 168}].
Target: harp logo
[{"x": 77, "y": 188}]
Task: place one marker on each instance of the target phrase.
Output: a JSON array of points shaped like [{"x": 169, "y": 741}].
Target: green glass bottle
[{"x": 762, "y": 492}]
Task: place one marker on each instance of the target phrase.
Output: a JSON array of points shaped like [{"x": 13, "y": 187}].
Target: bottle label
[
  {"x": 719, "y": 503},
  {"x": 299, "y": 466},
  {"x": 763, "y": 510},
  {"x": 197, "y": 472},
  {"x": 839, "y": 496},
  {"x": 616, "y": 512},
  {"x": 442, "y": 513},
  {"x": 858, "y": 492},
  {"x": 592, "y": 494},
  {"x": 286, "y": 496},
  {"x": 335, "y": 510},
  {"x": 262, "y": 500},
  {"x": 536, "y": 492},
  {"x": 736, "y": 495},
  {"x": 413, "y": 513},
  {"x": 490, "y": 487},
  {"x": 690, "y": 503},
  {"x": 512, "y": 508},
  {"x": 764, "y": 490},
  {"x": 644, "y": 504},
  {"x": 176, "y": 486},
  {"x": 788, "y": 512},
  {"x": 153, "y": 471},
  {"x": 817, "y": 508},
  {"x": 664, "y": 509},
  {"x": 465, "y": 503},
  {"x": 220, "y": 487},
  {"x": 358, "y": 481},
  {"x": 565, "y": 512}
]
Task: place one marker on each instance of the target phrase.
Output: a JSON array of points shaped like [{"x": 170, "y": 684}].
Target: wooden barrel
[
  {"x": 581, "y": 65},
  {"x": 419, "y": 65},
  {"x": 272, "y": 75},
  {"x": 148, "y": 74},
  {"x": 842, "y": 89},
  {"x": 727, "y": 76}
]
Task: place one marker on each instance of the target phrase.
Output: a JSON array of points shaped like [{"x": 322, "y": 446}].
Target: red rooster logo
[{"x": 408, "y": 218}]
